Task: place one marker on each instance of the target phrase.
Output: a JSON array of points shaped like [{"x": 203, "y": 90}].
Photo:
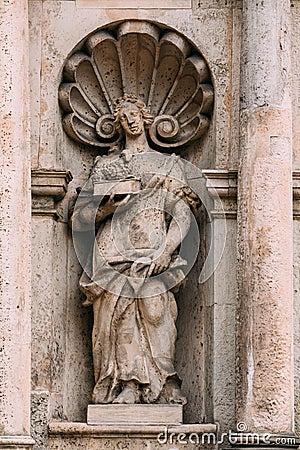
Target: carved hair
[{"x": 130, "y": 98}]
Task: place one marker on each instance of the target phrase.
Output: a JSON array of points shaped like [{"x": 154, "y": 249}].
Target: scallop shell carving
[{"x": 157, "y": 65}]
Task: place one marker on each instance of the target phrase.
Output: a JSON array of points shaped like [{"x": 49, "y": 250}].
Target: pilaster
[
  {"x": 221, "y": 295},
  {"x": 49, "y": 237},
  {"x": 15, "y": 267}
]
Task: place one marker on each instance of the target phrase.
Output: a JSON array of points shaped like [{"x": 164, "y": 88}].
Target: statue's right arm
[{"x": 85, "y": 217}]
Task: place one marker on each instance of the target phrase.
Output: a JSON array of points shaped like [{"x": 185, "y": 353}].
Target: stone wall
[
  {"x": 62, "y": 327},
  {"x": 224, "y": 321}
]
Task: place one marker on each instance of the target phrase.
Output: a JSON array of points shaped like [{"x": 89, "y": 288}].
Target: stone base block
[{"x": 134, "y": 414}]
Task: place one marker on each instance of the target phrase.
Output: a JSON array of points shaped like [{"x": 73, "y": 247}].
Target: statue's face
[{"x": 131, "y": 119}]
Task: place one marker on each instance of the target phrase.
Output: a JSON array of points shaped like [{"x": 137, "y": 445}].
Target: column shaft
[
  {"x": 265, "y": 316},
  {"x": 15, "y": 227}
]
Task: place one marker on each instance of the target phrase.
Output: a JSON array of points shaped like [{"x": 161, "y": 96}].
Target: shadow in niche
[
  {"x": 190, "y": 344},
  {"x": 79, "y": 379}
]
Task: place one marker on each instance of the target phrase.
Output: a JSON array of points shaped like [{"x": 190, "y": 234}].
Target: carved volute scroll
[{"x": 135, "y": 57}]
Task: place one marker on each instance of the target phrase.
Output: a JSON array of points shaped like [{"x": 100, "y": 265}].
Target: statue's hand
[
  {"x": 109, "y": 207},
  {"x": 160, "y": 264},
  {"x": 112, "y": 204}
]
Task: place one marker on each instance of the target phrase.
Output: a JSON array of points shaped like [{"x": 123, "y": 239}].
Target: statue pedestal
[{"x": 154, "y": 414}]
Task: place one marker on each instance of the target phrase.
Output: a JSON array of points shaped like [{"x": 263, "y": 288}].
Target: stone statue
[{"x": 135, "y": 266}]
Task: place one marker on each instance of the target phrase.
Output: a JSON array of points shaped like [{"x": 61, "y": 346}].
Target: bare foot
[
  {"x": 129, "y": 394},
  {"x": 172, "y": 393}
]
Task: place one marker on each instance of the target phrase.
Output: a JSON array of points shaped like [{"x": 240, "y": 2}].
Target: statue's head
[{"x": 132, "y": 115}]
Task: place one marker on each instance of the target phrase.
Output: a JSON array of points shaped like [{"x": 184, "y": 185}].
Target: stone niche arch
[
  {"x": 157, "y": 65},
  {"x": 170, "y": 75}
]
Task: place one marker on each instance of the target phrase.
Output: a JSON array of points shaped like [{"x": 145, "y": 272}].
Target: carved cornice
[
  {"x": 222, "y": 187},
  {"x": 221, "y": 183},
  {"x": 48, "y": 187}
]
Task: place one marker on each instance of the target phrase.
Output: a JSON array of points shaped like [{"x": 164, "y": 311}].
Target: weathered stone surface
[
  {"x": 40, "y": 419},
  {"x": 214, "y": 27},
  {"x": 35, "y": 55},
  {"x": 153, "y": 437},
  {"x": 265, "y": 253},
  {"x": 181, "y": 441},
  {"x": 296, "y": 279},
  {"x": 42, "y": 298},
  {"x": 199, "y": 5},
  {"x": 295, "y": 81},
  {"x": 133, "y": 4},
  {"x": 206, "y": 343},
  {"x": 15, "y": 267},
  {"x": 264, "y": 319}
]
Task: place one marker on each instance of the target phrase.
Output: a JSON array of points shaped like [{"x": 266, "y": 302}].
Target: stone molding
[
  {"x": 73, "y": 429},
  {"x": 20, "y": 442},
  {"x": 222, "y": 187},
  {"x": 48, "y": 187}
]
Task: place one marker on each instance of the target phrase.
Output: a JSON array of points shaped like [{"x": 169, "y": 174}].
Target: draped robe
[{"x": 134, "y": 330}]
